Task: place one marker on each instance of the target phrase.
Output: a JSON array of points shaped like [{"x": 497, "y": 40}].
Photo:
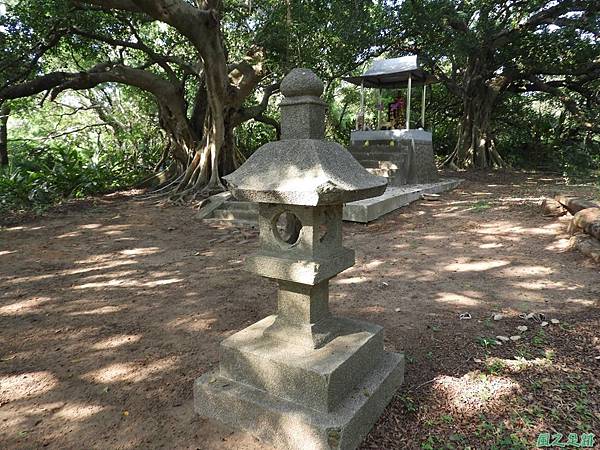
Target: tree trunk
[
  {"x": 4, "y": 111},
  {"x": 228, "y": 163},
  {"x": 474, "y": 148}
]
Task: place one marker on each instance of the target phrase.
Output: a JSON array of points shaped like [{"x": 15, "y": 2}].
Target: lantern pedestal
[
  {"x": 300, "y": 398},
  {"x": 303, "y": 378}
]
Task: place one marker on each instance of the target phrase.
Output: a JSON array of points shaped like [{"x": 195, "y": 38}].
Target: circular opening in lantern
[{"x": 286, "y": 227}]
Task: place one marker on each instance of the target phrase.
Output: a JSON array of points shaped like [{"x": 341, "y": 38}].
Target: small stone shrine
[
  {"x": 393, "y": 148},
  {"x": 303, "y": 378}
]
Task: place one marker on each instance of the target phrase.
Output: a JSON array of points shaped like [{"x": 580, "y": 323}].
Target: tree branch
[
  {"x": 544, "y": 16},
  {"x": 252, "y": 112},
  {"x": 101, "y": 73},
  {"x": 107, "y": 5},
  {"x": 270, "y": 121}
]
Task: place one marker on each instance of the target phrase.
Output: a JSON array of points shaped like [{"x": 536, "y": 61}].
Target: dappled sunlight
[
  {"x": 27, "y": 279},
  {"x": 583, "y": 302},
  {"x": 373, "y": 264},
  {"x": 435, "y": 237},
  {"x": 24, "y": 306},
  {"x": 25, "y": 228},
  {"x": 130, "y": 372},
  {"x": 560, "y": 245},
  {"x": 100, "y": 311},
  {"x": 140, "y": 251},
  {"x": 99, "y": 258},
  {"x": 533, "y": 200},
  {"x": 106, "y": 323},
  {"x": 90, "y": 226},
  {"x": 522, "y": 271},
  {"x": 473, "y": 299},
  {"x": 71, "y": 234},
  {"x": 26, "y": 385},
  {"x": 351, "y": 280},
  {"x": 122, "y": 227},
  {"x": 191, "y": 324},
  {"x": 78, "y": 412},
  {"x": 502, "y": 227},
  {"x": 111, "y": 275},
  {"x": 462, "y": 265},
  {"x": 116, "y": 341},
  {"x": 491, "y": 245},
  {"x": 114, "y": 232},
  {"x": 543, "y": 284},
  {"x": 128, "y": 283},
  {"x": 474, "y": 391},
  {"x": 518, "y": 364},
  {"x": 103, "y": 266}
]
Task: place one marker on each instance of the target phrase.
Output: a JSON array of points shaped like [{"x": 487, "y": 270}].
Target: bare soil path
[{"x": 108, "y": 314}]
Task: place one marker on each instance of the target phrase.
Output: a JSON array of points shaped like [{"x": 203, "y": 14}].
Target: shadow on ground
[{"x": 108, "y": 314}]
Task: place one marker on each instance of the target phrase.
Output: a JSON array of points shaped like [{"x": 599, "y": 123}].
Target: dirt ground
[{"x": 108, "y": 312}]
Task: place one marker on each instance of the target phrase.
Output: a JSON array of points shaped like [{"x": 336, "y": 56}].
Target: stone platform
[
  {"x": 363, "y": 211},
  {"x": 394, "y": 197},
  {"x": 298, "y": 398}
]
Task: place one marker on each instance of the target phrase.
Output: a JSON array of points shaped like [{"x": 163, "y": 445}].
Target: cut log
[
  {"x": 587, "y": 220},
  {"x": 553, "y": 208},
  {"x": 575, "y": 204},
  {"x": 586, "y": 245}
]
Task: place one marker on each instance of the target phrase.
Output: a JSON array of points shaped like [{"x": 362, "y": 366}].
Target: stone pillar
[{"x": 302, "y": 378}]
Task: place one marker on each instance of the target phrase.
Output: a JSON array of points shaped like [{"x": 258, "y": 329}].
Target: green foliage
[
  {"x": 85, "y": 144},
  {"x": 534, "y": 132},
  {"x": 486, "y": 342},
  {"x": 41, "y": 176},
  {"x": 251, "y": 135},
  {"x": 506, "y": 53},
  {"x": 108, "y": 137}
]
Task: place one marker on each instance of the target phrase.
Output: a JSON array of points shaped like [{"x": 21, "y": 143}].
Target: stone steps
[
  {"x": 235, "y": 215},
  {"x": 379, "y": 164},
  {"x": 236, "y": 222},
  {"x": 230, "y": 211},
  {"x": 378, "y": 155},
  {"x": 388, "y": 173},
  {"x": 239, "y": 206}
]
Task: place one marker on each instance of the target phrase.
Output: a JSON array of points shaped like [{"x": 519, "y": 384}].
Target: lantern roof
[{"x": 303, "y": 168}]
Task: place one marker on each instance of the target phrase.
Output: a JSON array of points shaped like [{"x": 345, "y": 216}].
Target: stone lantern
[{"x": 302, "y": 378}]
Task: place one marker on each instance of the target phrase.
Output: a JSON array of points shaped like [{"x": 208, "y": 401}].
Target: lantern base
[
  {"x": 289, "y": 425},
  {"x": 299, "y": 397}
]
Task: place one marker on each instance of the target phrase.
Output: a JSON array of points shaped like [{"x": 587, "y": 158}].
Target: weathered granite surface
[
  {"x": 302, "y": 168},
  {"x": 291, "y": 425},
  {"x": 408, "y": 162},
  {"x": 303, "y": 172},
  {"x": 303, "y": 378},
  {"x": 394, "y": 197},
  {"x": 402, "y": 156}
]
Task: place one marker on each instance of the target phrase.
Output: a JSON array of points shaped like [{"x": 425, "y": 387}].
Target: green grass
[{"x": 480, "y": 206}]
